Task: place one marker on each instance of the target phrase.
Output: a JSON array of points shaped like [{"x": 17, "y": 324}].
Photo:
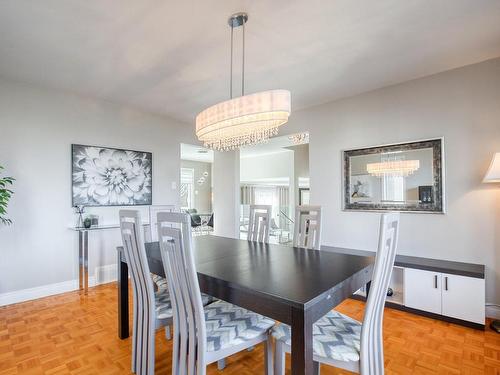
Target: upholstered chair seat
[{"x": 335, "y": 337}]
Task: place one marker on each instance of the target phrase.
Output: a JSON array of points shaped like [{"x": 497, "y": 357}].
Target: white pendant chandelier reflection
[
  {"x": 245, "y": 120},
  {"x": 393, "y": 168},
  {"x": 299, "y": 138}
]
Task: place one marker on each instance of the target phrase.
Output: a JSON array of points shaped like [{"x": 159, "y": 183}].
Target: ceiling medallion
[{"x": 247, "y": 119}]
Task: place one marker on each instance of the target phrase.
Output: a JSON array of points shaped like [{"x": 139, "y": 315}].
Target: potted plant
[{"x": 5, "y": 194}]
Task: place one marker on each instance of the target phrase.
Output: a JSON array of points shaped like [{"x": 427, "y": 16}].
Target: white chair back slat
[
  {"x": 307, "y": 231},
  {"x": 151, "y": 230},
  {"x": 143, "y": 291},
  {"x": 372, "y": 356},
  {"x": 174, "y": 233},
  {"x": 258, "y": 223}
]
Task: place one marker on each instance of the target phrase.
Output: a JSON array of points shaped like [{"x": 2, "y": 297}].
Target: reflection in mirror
[{"x": 403, "y": 177}]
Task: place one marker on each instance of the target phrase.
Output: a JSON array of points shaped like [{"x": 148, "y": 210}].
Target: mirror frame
[{"x": 438, "y": 206}]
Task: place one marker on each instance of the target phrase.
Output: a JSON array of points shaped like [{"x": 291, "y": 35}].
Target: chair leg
[
  {"x": 279, "y": 358},
  {"x": 268, "y": 356},
  {"x": 135, "y": 354},
  {"x": 316, "y": 368},
  {"x": 221, "y": 364},
  {"x": 168, "y": 332},
  {"x": 151, "y": 352},
  {"x": 175, "y": 354}
]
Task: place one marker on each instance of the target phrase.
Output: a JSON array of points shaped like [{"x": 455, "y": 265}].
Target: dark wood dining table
[{"x": 291, "y": 285}]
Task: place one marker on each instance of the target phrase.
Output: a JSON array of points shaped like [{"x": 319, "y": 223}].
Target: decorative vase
[
  {"x": 87, "y": 223},
  {"x": 79, "y": 210}
]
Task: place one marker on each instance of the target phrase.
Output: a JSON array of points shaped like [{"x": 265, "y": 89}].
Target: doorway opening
[
  {"x": 275, "y": 173},
  {"x": 196, "y": 186}
]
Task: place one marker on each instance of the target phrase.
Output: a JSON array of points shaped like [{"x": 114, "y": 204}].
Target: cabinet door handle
[
  {"x": 435, "y": 281},
  {"x": 446, "y": 283}
]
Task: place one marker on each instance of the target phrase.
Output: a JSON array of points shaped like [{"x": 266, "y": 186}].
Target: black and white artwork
[
  {"x": 361, "y": 187},
  {"x": 103, "y": 176}
]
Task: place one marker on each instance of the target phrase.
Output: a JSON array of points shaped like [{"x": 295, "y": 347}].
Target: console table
[{"x": 83, "y": 252}]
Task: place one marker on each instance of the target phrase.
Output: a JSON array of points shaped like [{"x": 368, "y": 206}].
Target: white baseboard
[
  {"x": 103, "y": 275},
  {"x": 493, "y": 312},
  {"x": 40, "y": 291},
  {"x": 106, "y": 274}
]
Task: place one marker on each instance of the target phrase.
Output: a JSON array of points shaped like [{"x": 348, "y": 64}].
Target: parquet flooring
[{"x": 72, "y": 334}]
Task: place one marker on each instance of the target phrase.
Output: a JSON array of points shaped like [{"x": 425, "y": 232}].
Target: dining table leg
[
  {"x": 302, "y": 345},
  {"x": 123, "y": 328}
]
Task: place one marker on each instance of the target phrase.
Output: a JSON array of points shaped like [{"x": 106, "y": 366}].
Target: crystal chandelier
[
  {"x": 245, "y": 120},
  {"x": 299, "y": 138},
  {"x": 393, "y": 168}
]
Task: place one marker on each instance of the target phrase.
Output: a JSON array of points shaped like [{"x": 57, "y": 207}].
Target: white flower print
[{"x": 110, "y": 177}]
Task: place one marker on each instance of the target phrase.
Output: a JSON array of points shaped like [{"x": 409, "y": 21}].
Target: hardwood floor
[{"x": 72, "y": 334}]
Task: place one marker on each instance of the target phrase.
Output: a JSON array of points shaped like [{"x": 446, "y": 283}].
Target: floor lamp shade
[{"x": 493, "y": 174}]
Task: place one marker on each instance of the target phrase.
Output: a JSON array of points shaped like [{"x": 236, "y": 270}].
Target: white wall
[
  {"x": 259, "y": 168},
  {"x": 37, "y": 128},
  {"x": 226, "y": 180},
  {"x": 463, "y": 105},
  {"x": 301, "y": 168}
]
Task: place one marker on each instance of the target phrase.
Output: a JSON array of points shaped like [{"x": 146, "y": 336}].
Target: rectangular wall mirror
[{"x": 396, "y": 177}]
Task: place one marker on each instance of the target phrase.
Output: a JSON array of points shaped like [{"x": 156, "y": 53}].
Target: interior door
[
  {"x": 422, "y": 290},
  {"x": 463, "y": 298}
]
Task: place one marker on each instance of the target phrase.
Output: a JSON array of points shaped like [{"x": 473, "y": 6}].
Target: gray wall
[
  {"x": 37, "y": 128},
  {"x": 463, "y": 105}
]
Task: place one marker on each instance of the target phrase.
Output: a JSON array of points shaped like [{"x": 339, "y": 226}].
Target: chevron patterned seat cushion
[
  {"x": 163, "y": 305},
  {"x": 161, "y": 282},
  {"x": 162, "y": 298},
  {"x": 335, "y": 336},
  {"x": 229, "y": 325}
]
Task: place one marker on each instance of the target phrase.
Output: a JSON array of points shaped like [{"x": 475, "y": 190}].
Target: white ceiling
[{"x": 171, "y": 57}]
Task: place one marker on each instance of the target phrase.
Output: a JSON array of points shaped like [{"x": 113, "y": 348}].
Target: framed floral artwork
[{"x": 103, "y": 176}]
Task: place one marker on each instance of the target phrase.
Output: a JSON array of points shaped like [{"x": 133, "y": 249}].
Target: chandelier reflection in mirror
[
  {"x": 245, "y": 120},
  {"x": 393, "y": 168}
]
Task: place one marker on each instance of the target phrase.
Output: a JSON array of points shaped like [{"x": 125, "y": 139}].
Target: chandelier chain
[
  {"x": 243, "y": 64},
  {"x": 243, "y": 120},
  {"x": 231, "y": 69}
]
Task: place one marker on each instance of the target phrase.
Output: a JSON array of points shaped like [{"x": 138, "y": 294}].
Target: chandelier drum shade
[
  {"x": 245, "y": 120},
  {"x": 394, "y": 168}
]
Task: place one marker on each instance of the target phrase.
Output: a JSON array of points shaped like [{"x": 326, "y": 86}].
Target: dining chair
[
  {"x": 151, "y": 230},
  {"x": 341, "y": 341},
  {"x": 258, "y": 223},
  {"x": 203, "y": 335},
  {"x": 210, "y": 222},
  {"x": 307, "y": 227},
  {"x": 152, "y": 310},
  {"x": 195, "y": 218}
]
